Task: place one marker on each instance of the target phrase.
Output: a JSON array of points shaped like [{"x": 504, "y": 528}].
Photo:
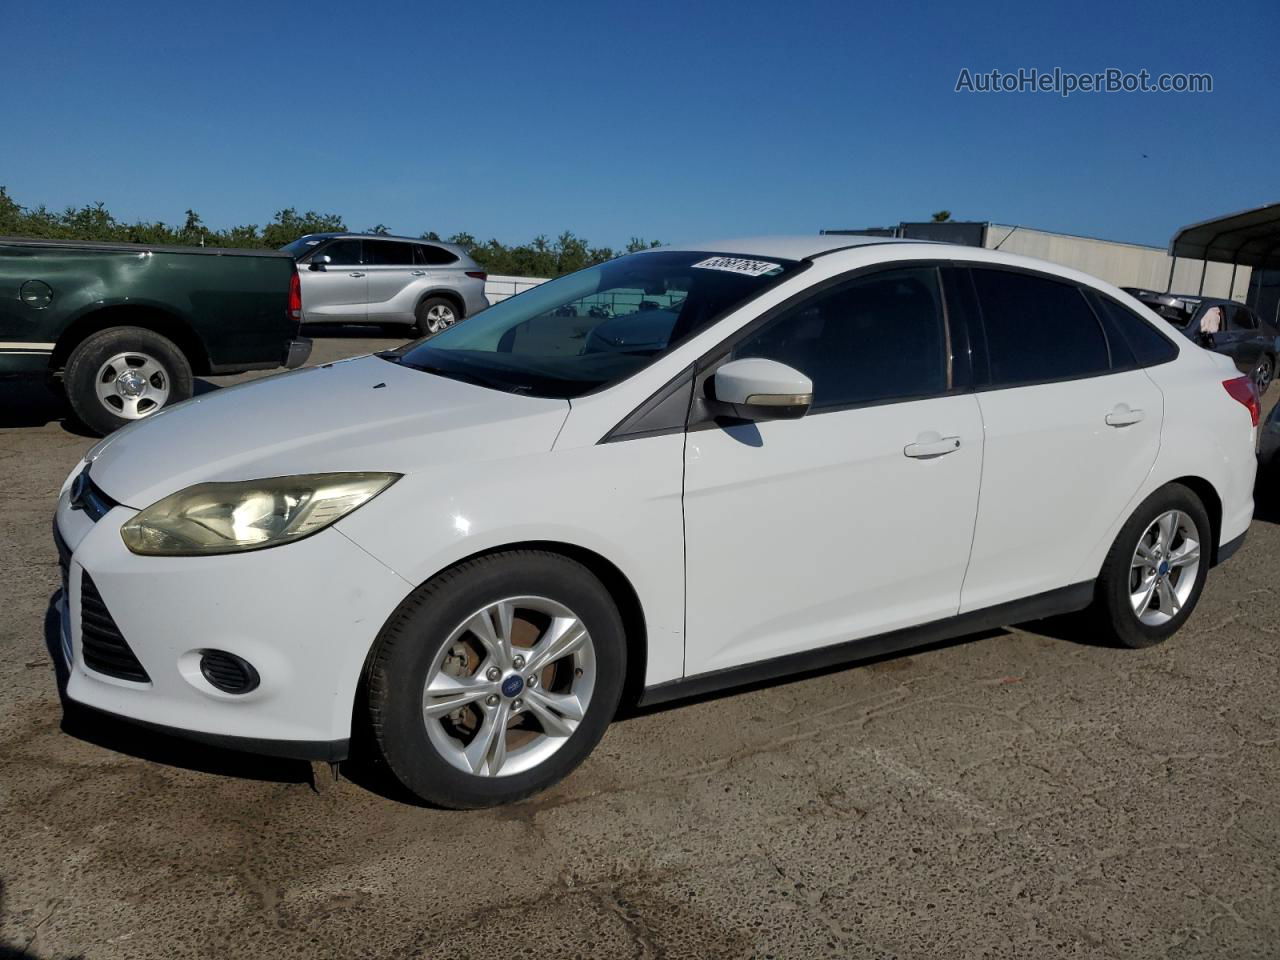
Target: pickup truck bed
[{"x": 68, "y": 306}]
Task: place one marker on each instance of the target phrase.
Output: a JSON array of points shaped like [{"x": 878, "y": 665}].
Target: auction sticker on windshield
[{"x": 752, "y": 268}]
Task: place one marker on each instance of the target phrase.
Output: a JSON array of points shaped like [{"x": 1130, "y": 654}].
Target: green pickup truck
[{"x": 126, "y": 327}]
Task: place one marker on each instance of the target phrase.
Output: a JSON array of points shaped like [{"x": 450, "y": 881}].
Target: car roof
[
  {"x": 787, "y": 247},
  {"x": 451, "y": 247}
]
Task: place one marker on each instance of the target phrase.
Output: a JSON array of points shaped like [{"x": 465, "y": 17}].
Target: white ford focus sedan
[{"x": 671, "y": 473}]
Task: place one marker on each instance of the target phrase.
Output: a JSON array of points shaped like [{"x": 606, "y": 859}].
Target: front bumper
[
  {"x": 305, "y": 615},
  {"x": 298, "y": 353}
]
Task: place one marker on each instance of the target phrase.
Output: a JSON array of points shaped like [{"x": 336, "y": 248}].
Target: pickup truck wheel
[
  {"x": 435, "y": 314},
  {"x": 123, "y": 374}
]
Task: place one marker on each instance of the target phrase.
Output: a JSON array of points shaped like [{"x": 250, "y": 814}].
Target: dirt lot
[{"x": 1022, "y": 793}]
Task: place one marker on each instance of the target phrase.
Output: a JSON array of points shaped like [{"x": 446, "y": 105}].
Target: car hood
[{"x": 360, "y": 414}]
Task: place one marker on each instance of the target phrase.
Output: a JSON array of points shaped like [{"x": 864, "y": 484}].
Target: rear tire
[
  {"x": 460, "y": 726},
  {"x": 1155, "y": 571},
  {"x": 124, "y": 374},
  {"x": 1263, "y": 374},
  {"x": 435, "y": 314}
]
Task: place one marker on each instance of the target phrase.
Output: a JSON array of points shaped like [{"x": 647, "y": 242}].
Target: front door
[
  {"x": 854, "y": 520},
  {"x": 340, "y": 292}
]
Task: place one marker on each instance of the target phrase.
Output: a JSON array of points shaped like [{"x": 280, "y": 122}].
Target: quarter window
[
  {"x": 1242, "y": 319},
  {"x": 1144, "y": 341},
  {"x": 1038, "y": 329},
  {"x": 873, "y": 339},
  {"x": 425, "y": 255}
]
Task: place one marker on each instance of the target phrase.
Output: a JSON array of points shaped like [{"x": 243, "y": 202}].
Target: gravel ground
[{"x": 1022, "y": 793}]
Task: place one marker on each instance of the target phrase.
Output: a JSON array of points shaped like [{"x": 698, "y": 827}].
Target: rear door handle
[
  {"x": 930, "y": 445},
  {"x": 1122, "y": 416},
  {"x": 418, "y": 273},
  {"x": 356, "y": 274}
]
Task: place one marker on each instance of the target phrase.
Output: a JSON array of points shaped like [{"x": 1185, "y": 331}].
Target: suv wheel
[
  {"x": 1155, "y": 571},
  {"x": 435, "y": 314},
  {"x": 1263, "y": 374},
  {"x": 123, "y": 374},
  {"x": 496, "y": 678}
]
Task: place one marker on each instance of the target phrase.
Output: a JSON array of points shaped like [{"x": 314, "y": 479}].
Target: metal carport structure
[{"x": 1250, "y": 238}]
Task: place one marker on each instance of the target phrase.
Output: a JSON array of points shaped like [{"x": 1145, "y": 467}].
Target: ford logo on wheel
[{"x": 512, "y": 685}]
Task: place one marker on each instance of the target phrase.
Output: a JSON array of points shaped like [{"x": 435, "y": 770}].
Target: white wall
[
  {"x": 1124, "y": 264},
  {"x": 499, "y": 287}
]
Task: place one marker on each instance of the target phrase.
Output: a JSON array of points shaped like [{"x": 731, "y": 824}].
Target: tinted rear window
[
  {"x": 428, "y": 256},
  {"x": 388, "y": 253},
  {"x": 1147, "y": 345},
  {"x": 1038, "y": 329}
]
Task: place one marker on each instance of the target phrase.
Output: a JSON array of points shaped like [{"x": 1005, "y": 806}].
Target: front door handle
[
  {"x": 418, "y": 273},
  {"x": 930, "y": 445},
  {"x": 356, "y": 274},
  {"x": 1122, "y": 416}
]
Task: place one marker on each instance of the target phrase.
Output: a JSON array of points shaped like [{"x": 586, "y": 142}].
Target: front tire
[
  {"x": 123, "y": 374},
  {"x": 496, "y": 678},
  {"x": 1155, "y": 571}
]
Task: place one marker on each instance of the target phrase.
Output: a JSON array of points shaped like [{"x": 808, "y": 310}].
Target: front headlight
[{"x": 211, "y": 518}]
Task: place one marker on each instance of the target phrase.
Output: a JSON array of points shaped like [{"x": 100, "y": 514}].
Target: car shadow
[
  {"x": 112, "y": 733},
  {"x": 31, "y": 402}
]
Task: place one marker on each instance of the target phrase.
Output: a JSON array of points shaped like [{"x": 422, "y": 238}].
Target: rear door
[
  {"x": 339, "y": 292},
  {"x": 1072, "y": 428},
  {"x": 391, "y": 270}
]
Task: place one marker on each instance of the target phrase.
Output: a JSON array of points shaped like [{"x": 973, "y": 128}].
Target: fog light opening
[{"x": 227, "y": 672}]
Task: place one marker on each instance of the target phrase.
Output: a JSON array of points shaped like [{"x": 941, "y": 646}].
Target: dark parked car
[
  {"x": 125, "y": 327},
  {"x": 1253, "y": 343}
]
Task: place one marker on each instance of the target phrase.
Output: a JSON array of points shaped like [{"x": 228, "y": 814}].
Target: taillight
[
  {"x": 1242, "y": 389},
  {"x": 295, "y": 297},
  {"x": 477, "y": 275}
]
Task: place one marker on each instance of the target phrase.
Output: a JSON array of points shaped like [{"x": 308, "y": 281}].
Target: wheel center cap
[
  {"x": 1163, "y": 569},
  {"x": 512, "y": 686},
  {"x": 130, "y": 384}
]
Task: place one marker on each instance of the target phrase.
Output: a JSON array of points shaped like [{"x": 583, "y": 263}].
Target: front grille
[
  {"x": 227, "y": 672},
  {"x": 89, "y": 497},
  {"x": 103, "y": 646}
]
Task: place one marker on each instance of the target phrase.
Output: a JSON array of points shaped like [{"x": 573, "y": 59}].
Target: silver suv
[{"x": 366, "y": 278}]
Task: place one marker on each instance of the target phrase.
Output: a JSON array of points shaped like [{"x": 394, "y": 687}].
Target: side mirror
[
  {"x": 760, "y": 389},
  {"x": 321, "y": 262}
]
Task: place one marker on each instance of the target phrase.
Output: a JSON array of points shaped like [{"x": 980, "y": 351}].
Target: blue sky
[{"x": 659, "y": 119}]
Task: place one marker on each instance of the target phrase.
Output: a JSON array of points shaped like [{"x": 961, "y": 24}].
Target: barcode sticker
[{"x": 752, "y": 268}]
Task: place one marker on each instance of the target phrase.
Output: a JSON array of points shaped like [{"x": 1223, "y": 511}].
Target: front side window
[
  {"x": 873, "y": 339},
  {"x": 387, "y": 253},
  {"x": 343, "y": 253},
  {"x": 595, "y": 327},
  {"x": 1038, "y": 329}
]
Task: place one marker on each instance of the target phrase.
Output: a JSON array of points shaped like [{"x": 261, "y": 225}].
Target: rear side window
[
  {"x": 1038, "y": 329},
  {"x": 874, "y": 339},
  {"x": 388, "y": 253},
  {"x": 343, "y": 253},
  {"x": 1147, "y": 344},
  {"x": 425, "y": 255},
  {"x": 1242, "y": 319}
]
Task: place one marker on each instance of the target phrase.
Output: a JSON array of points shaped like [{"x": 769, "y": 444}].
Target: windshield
[
  {"x": 598, "y": 326},
  {"x": 302, "y": 246}
]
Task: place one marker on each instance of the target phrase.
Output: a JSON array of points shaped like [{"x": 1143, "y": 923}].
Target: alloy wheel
[
  {"x": 440, "y": 316},
  {"x": 1163, "y": 571},
  {"x": 509, "y": 686},
  {"x": 1263, "y": 375},
  {"x": 132, "y": 385}
]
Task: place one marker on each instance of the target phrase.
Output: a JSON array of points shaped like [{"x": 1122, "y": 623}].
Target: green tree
[{"x": 941, "y": 216}]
